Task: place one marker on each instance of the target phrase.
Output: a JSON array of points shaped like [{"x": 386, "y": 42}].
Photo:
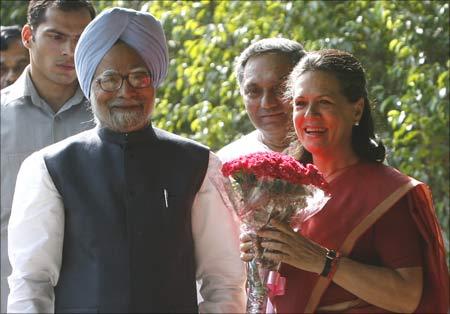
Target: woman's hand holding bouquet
[
  {"x": 271, "y": 191},
  {"x": 281, "y": 244}
]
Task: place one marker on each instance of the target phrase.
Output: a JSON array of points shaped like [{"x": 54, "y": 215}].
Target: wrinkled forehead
[{"x": 269, "y": 68}]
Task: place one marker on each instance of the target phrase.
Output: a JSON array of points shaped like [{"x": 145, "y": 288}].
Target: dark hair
[
  {"x": 351, "y": 77},
  {"x": 37, "y": 9},
  {"x": 9, "y": 34},
  {"x": 292, "y": 49}
]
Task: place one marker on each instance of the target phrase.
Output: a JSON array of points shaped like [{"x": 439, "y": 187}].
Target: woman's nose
[{"x": 311, "y": 109}]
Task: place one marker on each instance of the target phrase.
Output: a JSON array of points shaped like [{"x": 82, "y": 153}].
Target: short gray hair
[{"x": 293, "y": 50}]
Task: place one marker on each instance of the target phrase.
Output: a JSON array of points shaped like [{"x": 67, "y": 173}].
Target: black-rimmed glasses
[{"x": 112, "y": 82}]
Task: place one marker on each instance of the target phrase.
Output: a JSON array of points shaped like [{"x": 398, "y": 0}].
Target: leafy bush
[{"x": 404, "y": 46}]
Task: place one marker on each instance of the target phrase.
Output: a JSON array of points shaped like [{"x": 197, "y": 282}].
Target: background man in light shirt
[
  {"x": 261, "y": 70},
  {"x": 123, "y": 218},
  {"x": 45, "y": 104}
]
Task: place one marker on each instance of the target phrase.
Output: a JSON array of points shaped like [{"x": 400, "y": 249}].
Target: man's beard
[{"x": 120, "y": 120}]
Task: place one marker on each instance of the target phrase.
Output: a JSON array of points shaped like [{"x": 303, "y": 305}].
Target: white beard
[{"x": 118, "y": 120}]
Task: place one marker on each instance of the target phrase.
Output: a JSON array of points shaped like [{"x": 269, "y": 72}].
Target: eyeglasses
[{"x": 114, "y": 81}]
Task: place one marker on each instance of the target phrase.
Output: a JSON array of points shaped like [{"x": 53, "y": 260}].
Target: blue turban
[{"x": 139, "y": 30}]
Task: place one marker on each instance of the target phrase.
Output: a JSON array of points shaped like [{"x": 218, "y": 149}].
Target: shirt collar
[
  {"x": 145, "y": 135},
  {"x": 30, "y": 90}
]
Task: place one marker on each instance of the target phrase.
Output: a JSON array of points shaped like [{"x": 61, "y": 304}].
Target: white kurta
[
  {"x": 28, "y": 123},
  {"x": 36, "y": 231},
  {"x": 247, "y": 144}
]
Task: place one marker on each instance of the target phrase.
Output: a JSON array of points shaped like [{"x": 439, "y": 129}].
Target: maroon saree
[{"x": 360, "y": 196}]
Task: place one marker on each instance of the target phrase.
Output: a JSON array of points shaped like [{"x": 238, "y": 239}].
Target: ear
[
  {"x": 358, "y": 108},
  {"x": 27, "y": 36}
]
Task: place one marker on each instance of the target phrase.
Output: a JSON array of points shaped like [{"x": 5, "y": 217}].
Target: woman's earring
[{"x": 356, "y": 123}]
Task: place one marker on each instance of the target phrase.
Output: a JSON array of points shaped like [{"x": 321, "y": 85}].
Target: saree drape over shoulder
[{"x": 361, "y": 197}]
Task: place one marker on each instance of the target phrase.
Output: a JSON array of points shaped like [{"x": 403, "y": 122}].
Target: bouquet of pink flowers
[{"x": 271, "y": 185}]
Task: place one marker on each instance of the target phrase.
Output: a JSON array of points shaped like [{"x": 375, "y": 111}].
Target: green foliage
[
  {"x": 404, "y": 46},
  {"x": 13, "y": 12}
]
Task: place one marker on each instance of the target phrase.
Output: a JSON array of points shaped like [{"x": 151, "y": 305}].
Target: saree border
[{"x": 346, "y": 247}]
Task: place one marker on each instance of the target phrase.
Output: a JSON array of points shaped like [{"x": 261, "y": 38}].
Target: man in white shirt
[
  {"x": 261, "y": 70},
  {"x": 124, "y": 217},
  {"x": 45, "y": 104}
]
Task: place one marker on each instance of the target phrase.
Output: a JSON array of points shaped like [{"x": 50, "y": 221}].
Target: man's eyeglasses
[{"x": 114, "y": 81}]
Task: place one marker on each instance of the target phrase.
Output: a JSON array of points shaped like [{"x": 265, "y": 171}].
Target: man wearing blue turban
[{"x": 124, "y": 217}]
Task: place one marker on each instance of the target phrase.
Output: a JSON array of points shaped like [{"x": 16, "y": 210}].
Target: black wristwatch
[{"x": 331, "y": 255}]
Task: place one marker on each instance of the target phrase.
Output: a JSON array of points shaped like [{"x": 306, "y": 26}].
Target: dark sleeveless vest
[{"x": 124, "y": 250}]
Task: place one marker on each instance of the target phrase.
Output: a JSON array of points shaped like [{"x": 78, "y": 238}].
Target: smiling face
[
  {"x": 261, "y": 89},
  {"x": 127, "y": 109},
  {"x": 52, "y": 45},
  {"x": 323, "y": 116}
]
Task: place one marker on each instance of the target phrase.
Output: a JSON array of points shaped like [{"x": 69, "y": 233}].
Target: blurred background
[{"x": 404, "y": 46}]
